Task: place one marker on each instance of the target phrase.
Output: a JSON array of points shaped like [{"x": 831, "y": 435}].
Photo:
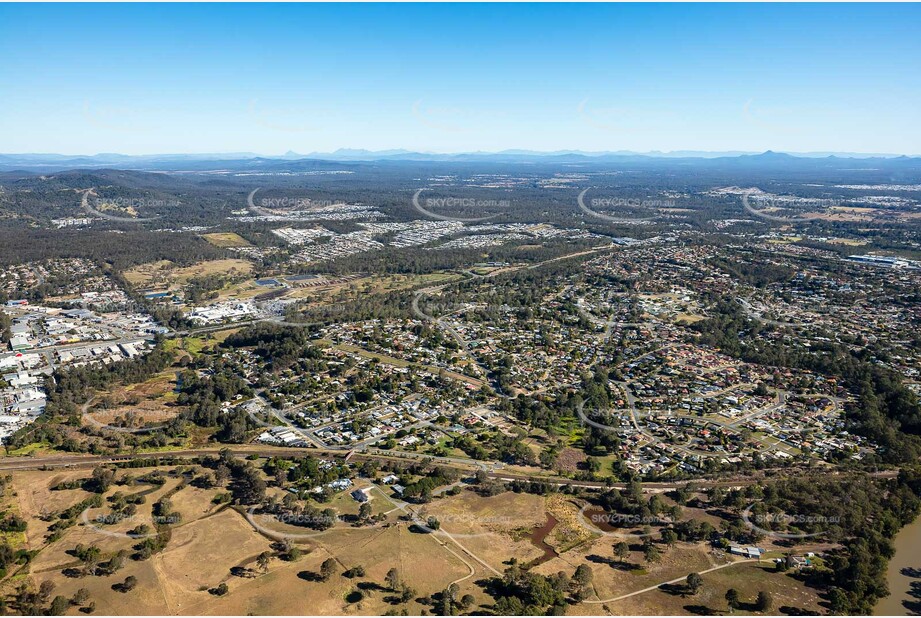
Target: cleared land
[
  {"x": 226, "y": 239},
  {"x": 747, "y": 578},
  {"x": 213, "y": 544},
  {"x": 166, "y": 273},
  {"x": 324, "y": 293}
]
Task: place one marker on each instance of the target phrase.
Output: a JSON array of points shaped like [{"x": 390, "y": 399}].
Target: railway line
[{"x": 10, "y": 464}]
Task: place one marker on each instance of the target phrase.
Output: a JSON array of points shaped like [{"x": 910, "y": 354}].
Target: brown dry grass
[
  {"x": 166, "y": 274},
  {"x": 226, "y": 239},
  {"x": 747, "y": 578},
  {"x": 153, "y": 400},
  {"x": 211, "y": 540}
]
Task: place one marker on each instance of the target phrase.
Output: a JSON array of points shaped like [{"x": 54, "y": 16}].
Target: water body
[
  {"x": 537, "y": 537},
  {"x": 904, "y": 570}
]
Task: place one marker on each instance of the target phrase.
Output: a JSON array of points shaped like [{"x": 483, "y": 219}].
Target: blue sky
[{"x": 82, "y": 79}]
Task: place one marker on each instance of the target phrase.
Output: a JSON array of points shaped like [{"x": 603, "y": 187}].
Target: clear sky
[{"x": 83, "y": 79}]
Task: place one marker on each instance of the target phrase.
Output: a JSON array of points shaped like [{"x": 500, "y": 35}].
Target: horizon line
[{"x": 394, "y": 152}]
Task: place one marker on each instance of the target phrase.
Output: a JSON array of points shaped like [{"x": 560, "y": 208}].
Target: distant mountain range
[
  {"x": 248, "y": 160},
  {"x": 372, "y": 155}
]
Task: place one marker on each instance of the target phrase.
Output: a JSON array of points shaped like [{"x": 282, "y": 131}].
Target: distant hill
[{"x": 250, "y": 161}]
